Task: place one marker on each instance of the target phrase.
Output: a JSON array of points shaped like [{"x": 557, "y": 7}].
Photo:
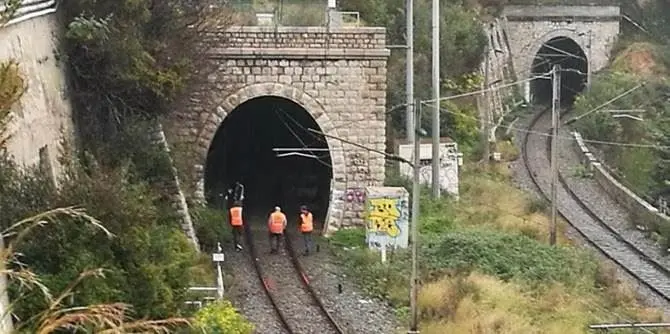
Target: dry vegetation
[
  {"x": 103, "y": 318},
  {"x": 12, "y": 88},
  {"x": 639, "y": 59},
  {"x": 479, "y": 303},
  {"x": 487, "y": 267}
]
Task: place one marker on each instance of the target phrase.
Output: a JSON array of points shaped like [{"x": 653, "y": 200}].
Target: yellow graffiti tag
[{"x": 383, "y": 216}]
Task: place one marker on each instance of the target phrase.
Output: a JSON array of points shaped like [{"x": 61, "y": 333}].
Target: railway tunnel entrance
[
  {"x": 242, "y": 151},
  {"x": 565, "y": 52}
]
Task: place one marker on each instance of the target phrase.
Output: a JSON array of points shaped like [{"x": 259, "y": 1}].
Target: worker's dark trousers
[
  {"x": 308, "y": 241},
  {"x": 237, "y": 234},
  {"x": 275, "y": 241}
]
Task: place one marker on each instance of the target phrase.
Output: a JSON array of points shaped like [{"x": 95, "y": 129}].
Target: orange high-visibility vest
[
  {"x": 236, "y": 216},
  {"x": 277, "y": 220},
  {"x": 307, "y": 225}
]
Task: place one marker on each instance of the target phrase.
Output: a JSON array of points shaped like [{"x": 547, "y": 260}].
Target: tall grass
[
  {"x": 486, "y": 266},
  {"x": 57, "y": 317}
]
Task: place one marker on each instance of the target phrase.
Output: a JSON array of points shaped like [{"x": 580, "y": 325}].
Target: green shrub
[
  {"x": 147, "y": 261},
  {"x": 509, "y": 256},
  {"x": 131, "y": 58},
  {"x": 350, "y": 237},
  {"x": 211, "y": 227},
  {"x": 221, "y": 318},
  {"x": 536, "y": 205}
]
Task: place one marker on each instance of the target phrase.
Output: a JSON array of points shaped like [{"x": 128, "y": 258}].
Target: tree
[
  {"x": 132, "y": 58},
  {"x": 462, "y": 41}
]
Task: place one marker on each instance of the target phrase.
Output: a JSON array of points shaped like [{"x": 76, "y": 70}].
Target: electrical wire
[
  {"x": 560, "y": 137},
  {"x": 300, "y": 139}
]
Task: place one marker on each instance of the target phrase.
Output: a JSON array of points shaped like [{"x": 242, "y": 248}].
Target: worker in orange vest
[
  {"x": 306, "y": 226},
  {"x": 276, "y": 226},
  {"x": 236, "y": 223}
]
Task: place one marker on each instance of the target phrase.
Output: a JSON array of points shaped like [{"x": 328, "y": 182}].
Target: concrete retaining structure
[
  {"x": 642, "y": 213},
  {"x": 42, "y": 118}
]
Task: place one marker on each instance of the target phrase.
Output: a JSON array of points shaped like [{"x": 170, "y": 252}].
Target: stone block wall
[
  {"x": 642, "y": 212},
  {"x": 337, "y": 75},
  {"x": 299, "y": 37}
]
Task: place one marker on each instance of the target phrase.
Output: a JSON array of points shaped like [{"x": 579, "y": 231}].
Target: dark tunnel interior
[
  {"x": 569, "y": 55},
  {"x": 242, "y": 151}
]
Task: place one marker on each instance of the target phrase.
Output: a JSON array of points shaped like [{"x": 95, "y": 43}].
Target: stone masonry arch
[
  {"x": 556, "y": 33},
  {"x": 311, "y": 105},
  {"x": 527, "y": 27},
  {"x": 338, "y": 75}
]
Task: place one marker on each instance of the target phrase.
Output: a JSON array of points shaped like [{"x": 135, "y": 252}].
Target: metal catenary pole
[
  {"x": 589, "y": 62},
  {"x": 409, "y": 84},
  {"x": 416, "y": 194},
  {"x": 436, "y": 96},
  {"x": 555, "y": 111},
  {"x": 487, "y": 110}
]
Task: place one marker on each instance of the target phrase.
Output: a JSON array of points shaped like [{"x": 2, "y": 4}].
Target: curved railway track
[
  {"x": 593, "y": 229},
  {"x": 297, "y": 305}
]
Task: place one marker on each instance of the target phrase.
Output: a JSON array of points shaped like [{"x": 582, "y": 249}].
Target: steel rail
[
  {"x": 639, "y": 253},
  {"x": 305, "y": 280},
  {"x": 297, "y": 265}
]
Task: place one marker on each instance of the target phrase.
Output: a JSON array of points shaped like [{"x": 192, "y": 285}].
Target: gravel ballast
[
  {"x": 541, "y": 167},
  {"x": 354, "y": 312}
]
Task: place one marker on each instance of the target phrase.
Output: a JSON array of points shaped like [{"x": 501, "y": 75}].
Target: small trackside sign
[{"x": 217, "y": 257}]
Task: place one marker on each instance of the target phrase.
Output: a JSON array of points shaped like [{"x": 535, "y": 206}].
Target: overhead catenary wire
[
  {"x": 608, "y": 102},
  {"x": 569, "y": 138},
  {"x": 520, "y": 130},
  {"x": 317, "y": 158}
]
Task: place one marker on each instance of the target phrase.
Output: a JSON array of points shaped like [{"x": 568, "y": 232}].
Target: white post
[
  {"x": 436, "y": 97},
  {"x": 383, "y": 252},
  {"x": 6, "y": 325},
  {"x": 218, "y": 258}
]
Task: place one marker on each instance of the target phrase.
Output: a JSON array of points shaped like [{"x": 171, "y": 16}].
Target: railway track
[
  {"x": 593, "y": 229},
  {"x": 297, "y": 306}
]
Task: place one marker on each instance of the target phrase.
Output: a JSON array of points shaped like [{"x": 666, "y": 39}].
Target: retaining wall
[{"x": 642, "y": 213}]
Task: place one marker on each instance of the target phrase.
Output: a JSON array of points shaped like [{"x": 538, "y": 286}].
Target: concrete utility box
[
  {"x": 387, "y": 217},
  {"x": 450, "y": 159}
]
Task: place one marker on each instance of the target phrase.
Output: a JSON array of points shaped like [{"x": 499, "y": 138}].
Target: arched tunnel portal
[
  {"x": 242, "y": 151},
  {"x": 565, "y": 52}
]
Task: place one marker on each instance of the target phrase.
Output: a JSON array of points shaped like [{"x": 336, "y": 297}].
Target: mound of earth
[{"x": 639, "y": 59}]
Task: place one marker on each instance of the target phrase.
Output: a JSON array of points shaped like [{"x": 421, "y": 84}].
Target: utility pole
[
  {"x": 416, "y": 189},
  {"x": 409, "y": 81},
  {"x": 487, "y": 122},
  {"x": 588, "y": 63},
  {"x": 436, "y": 98},
  {"x": 555, "y": 111}
]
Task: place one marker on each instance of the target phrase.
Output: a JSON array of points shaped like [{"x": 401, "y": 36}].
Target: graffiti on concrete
[
  {"x": 383, "y": 216},
  {"x": 387, "y": 217},
  {"x": 354, "y": 195}
]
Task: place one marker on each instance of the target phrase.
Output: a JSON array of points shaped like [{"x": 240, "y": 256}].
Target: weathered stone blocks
[{"x": 339, "y": 77}]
